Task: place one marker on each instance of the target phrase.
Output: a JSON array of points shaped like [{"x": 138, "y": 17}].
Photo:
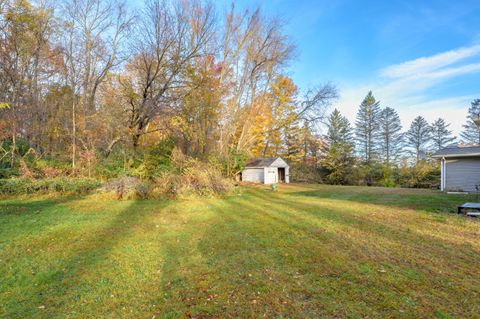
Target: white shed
[{"x": 266, "y": 171}]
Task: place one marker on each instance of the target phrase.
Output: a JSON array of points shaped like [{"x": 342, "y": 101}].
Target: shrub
[
  {"x": 123, "y": 187},
  {"x": 189, "y": 176},
  {"x": 7, "y": 172},
  {"x": 165, "y": 185},
  {"x": 339, "y": 162},
  {"x": 180, "y": 175},
  {"x": 15, "y": 186},
  {"x": 370, "y": 174},
  {"x": 306, "y": 173},
  {"x": 153, "y": 162},
  {"x": 143, "y": 190},
  {"x": 112, "y": 167},
  {"x": 232, "y": 163},
  {"x": 422, "y": 175}
]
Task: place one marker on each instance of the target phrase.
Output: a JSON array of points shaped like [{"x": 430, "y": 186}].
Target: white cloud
[
  {"x": 448, "y": 72},
  {"x": 429, "y": 64},
  {"x": 405, "y": 87}
]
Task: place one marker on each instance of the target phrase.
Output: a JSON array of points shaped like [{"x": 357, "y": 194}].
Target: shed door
[
  {"x": 281, "y": 174},
  {"x": 254, "y": 175},
  {"x": 270, "y": 175}
]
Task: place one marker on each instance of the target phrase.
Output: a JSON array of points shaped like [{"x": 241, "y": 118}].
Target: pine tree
[
  {"x": 339, "y": 161},
  {"x": 441, "y": 135},
  {"x": 367, "y": 129},
  {"x": 471, "y": 132},
  {"x": 339, "y": 129},
  {"x": 392, "y": 138},
  {"x": 418, "y": 136}
]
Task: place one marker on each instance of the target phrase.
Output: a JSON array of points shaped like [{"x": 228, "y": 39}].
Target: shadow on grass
[
  {"x": 245, "y": 260},
  {"x": 287, "y": 267},
  {"x": 403, "y": 198},
  {"x": 186, "y": 280},
  {"x": 344, "y": 215},
  {"x": 27, "y": 217},
  {"x": 64, "y": 280},
  {"x": 267, "y": 233},
  {"x": 21, "y": 208}
]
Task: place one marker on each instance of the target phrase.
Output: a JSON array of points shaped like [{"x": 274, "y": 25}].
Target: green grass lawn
[{"x": 302, "y": 252}]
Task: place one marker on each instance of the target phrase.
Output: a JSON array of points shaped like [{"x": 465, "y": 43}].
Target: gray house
[
  {"x": 266, "y": 171},
  {"x": 460, "y": 166}
]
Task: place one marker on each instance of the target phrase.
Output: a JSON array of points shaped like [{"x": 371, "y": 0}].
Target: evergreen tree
[
  {"x": 339, "y": 161},
  {"x": 471, "y": 132},
  {"x": 392, "y": 138},
  {"x": 367, "y": 127},
  {"x": 418, "y": 136},
  {"x": 339, "y": 129},
  {"x": 441, "y": 135}
]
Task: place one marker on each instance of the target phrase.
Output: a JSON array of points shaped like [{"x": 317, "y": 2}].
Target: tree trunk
[
  {"x": 135, "y": 140},
  {"x": 111, "y": 145},
  {"x": 74, "y": 137},
  {"x": 14, "y": 143}
]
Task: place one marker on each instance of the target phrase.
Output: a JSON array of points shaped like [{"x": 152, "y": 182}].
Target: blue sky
[{"x": 420, "y": 57}]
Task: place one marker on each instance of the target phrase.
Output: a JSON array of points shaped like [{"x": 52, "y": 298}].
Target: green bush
[
  {"x": 305, "y": 173},
  {"x": 21, "y": 146},
  {"x": 7, "y": 172},
  {"x": 154, "y": 162},
  {"x": 232, "y": 163},
  {"x": 423, "y": 175},
  {"x": 16, "y": 186},
  {"x": 112, "y": 167},
  {"x": 389, "y": 176}
]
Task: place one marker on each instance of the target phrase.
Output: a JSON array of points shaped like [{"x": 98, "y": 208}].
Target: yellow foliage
[{"x": 276, "y": 119}]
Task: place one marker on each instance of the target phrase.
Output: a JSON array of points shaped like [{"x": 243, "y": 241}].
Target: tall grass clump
[{"x": 190, "y": 176}]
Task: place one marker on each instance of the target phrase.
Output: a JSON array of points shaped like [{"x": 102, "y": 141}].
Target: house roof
[
  {"x": 458, "y": 151},
  {"x": 266, "y": 162}
]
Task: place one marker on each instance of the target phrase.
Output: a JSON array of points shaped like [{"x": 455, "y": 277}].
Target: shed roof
[
  {"x": 266, "y": 162},
  {"x": 458, "y": 151}
]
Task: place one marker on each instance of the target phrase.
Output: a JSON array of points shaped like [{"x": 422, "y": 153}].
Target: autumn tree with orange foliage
[{"x": 87, "y": 85}]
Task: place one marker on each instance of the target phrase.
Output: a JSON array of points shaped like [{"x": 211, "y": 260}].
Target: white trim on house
[
  {"x": 457, "y": 155},
  {"x": 443, "y": 170}
]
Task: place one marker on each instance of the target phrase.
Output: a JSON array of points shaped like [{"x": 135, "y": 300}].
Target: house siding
[
  {"x": 279, "y": 163},
  {"x": 254, "y": 175},
  {"x": 462, "y": 174}
]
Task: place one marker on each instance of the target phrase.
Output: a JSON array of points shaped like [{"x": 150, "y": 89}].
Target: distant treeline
[{"x": 377, "y": 151}]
